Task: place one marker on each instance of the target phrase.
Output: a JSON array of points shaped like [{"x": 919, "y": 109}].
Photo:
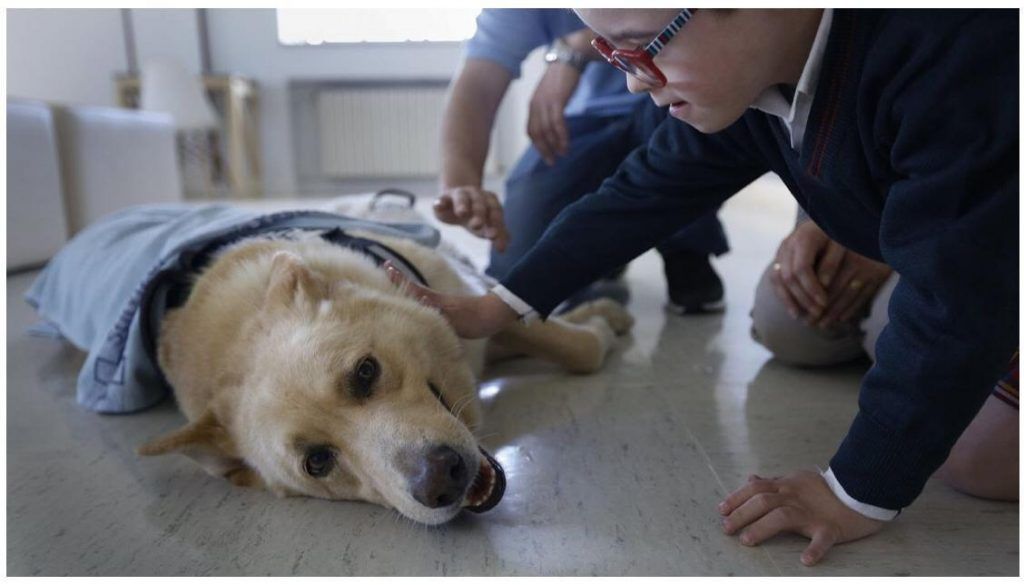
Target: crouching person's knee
[
  {"x": 792, "y": 341},
  {"x": 985, "y": 461}
]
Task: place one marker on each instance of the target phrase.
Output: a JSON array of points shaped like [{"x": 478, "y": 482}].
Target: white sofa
[{"x": 69, "y": 165}]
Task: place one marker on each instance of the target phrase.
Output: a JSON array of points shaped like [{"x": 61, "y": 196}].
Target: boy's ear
[
  {"x": 292, "y": 283},
  {"x": 208, "y": 443}
]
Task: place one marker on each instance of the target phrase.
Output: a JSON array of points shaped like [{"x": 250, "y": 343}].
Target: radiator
[{"x": 388, "y": 131}]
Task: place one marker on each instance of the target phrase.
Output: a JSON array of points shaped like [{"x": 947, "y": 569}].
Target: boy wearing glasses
[
  {"x": 900, "y": 141},
  {"x": 582, "y": 123}
]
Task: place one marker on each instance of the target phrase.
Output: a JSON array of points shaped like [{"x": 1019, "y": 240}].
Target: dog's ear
[
  {"x": 210, "y": 445},
  {"x": 292, "y": 283}
]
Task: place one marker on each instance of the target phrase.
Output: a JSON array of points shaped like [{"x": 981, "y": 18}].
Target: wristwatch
[{"x": 562, "y": 53}]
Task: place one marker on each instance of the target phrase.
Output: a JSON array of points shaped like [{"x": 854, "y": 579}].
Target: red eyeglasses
[{"x": 640, "y": 62}]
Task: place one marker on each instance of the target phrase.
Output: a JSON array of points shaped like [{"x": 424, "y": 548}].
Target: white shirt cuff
[
  {"x": 864, "y": 509},
  {"x": 525, "y": 311}
]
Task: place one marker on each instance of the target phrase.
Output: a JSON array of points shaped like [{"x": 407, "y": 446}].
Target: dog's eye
[
  {"x": 319, "y": 461},
  {"x": 364, "y": 376}
]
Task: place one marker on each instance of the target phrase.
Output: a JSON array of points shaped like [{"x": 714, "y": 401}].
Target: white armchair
[
  {"x": 69, "y": 165},
  {"x": 36, "y": 224}
]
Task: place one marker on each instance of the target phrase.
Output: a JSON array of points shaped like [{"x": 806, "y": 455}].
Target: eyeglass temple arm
[{"x": 655, "y": 46}]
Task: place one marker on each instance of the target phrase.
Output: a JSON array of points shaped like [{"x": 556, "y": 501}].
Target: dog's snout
[{"x": 441, "y": 479}]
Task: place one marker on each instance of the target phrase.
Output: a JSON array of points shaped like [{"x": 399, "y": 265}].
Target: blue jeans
[{"x": 535, "y": 193}]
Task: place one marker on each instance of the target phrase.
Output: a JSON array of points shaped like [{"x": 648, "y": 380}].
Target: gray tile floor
[{"x": 612, "y": 474}]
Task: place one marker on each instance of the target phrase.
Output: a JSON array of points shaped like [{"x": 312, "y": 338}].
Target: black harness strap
[{"x": 376, "y": 250}]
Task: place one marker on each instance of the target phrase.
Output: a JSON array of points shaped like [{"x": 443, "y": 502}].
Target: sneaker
[{"x": 693, "y": 285}]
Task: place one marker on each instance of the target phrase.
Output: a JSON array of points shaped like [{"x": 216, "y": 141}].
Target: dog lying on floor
[{"x": 303, "y": 370}]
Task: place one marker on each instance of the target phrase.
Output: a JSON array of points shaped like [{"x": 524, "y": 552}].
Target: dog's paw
[{"x": 617, "y": 317}]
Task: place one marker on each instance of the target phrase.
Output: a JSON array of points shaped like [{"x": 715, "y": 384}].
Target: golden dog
[{"x": 303, "y": 370}]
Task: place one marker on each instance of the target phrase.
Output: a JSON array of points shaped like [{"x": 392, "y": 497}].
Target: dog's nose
[{"x": 441, "y": 479}]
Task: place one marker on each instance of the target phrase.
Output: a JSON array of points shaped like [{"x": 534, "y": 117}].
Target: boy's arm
[
  {"x": 950, "y": 229},
  {"x": 676, "y": 178},
  {"x": 664, "y": 185}
]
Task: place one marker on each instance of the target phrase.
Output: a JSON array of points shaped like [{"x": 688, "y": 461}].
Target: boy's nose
[{"x": 637, "y": 85}]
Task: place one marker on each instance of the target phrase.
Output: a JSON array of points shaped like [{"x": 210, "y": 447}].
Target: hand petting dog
[{"x": 472, "y": 317}]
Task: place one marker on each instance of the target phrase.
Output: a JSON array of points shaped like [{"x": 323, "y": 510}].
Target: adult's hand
[
  {"x": 472, "y": 317},
  {"x": 805, "y": 263},
  {"x": 477, "y": 210},
  {"x": 546, "y": 123},
  {"x": 854, "y": 287}
]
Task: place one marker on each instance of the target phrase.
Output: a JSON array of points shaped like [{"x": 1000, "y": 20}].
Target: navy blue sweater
[{"x": 910, "y": 157}]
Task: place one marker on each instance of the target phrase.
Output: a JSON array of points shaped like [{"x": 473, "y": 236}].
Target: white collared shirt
[{"x": 794, "y": 116}]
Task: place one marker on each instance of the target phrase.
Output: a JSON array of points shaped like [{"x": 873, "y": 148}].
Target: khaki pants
[{"x": 794, "y": 342}]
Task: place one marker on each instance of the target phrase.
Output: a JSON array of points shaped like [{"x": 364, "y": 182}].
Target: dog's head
[{"x": 351, "y": 394}]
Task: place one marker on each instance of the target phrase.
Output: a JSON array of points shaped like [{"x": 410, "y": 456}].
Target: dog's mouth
[{"x": 488, "y": 487}]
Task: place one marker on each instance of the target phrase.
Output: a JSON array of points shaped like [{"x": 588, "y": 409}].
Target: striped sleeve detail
[{"x": 1007, "y": 389}]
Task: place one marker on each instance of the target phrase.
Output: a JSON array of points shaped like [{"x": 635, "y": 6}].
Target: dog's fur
[{"x": 261, "y": 358}]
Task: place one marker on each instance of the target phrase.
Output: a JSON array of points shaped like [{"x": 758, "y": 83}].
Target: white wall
[
  {"x": 63, "y": 55},
  {"x": 245, "y": 42},
  {"x": 72, "y": 56},
  {"x": 167, "y": 33}
]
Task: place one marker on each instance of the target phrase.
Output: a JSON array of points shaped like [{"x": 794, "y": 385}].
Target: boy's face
[{"x": 716, "y": 65}]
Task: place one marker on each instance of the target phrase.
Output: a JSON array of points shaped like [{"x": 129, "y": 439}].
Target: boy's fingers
[
  {"x": 412, "y": 289},
  {"x": 736, "y": 498},
  {"x": 751, "y": 510},
  {"x": 396, "y": 277},
  {"x": 821, "y": 542},
  {"x": 769, "y": 525}
]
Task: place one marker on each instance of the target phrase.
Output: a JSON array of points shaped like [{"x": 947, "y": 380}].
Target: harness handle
[{"x": 397, "y": 192}]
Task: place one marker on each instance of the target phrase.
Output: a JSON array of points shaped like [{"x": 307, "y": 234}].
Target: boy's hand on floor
[
  {"x": 800, "y": 502},
  {"x": 476, "y": 209}
]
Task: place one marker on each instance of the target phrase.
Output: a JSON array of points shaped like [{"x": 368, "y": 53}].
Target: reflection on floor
[{"x": 612, "y": 474}]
